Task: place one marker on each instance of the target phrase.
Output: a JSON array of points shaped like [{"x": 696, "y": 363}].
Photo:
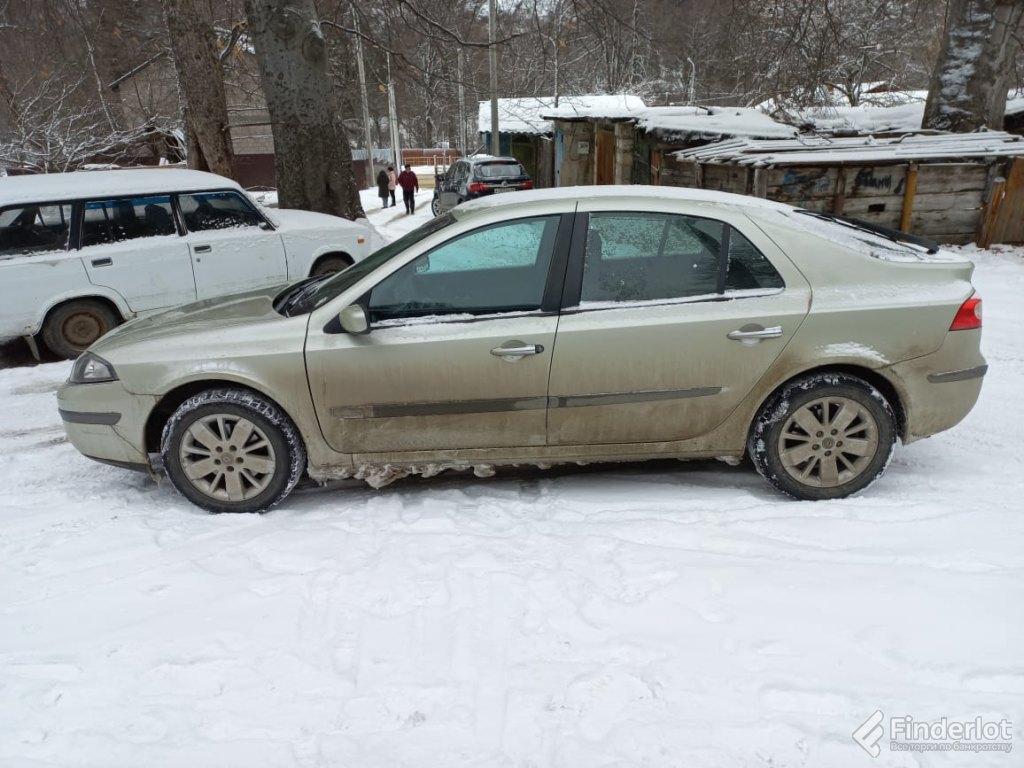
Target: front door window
[{"x": 501, "y": 268}]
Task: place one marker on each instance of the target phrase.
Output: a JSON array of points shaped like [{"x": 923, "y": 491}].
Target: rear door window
[
  {"x": 34, "y": 228},
  {"x": 113, "y": 221},
  {"x": 634, "y": 256}
]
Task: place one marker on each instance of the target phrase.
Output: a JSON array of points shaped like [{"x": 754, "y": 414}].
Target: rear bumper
[{"x": 938, "y": 390}]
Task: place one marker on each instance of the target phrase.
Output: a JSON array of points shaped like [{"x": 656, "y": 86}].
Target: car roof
[
  {"x": 55, "y": 187},
  {"x": 490, "y": 158},
  {"x": 610, "y": 193}
]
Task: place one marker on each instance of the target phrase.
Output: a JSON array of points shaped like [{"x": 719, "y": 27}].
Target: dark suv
[{"x": 476, "y": 176}]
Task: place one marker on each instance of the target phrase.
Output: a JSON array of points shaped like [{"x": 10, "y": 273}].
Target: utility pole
[
  {"x": 367, "y": 136},
  {"x": 492, "y": 36},
  {"x": 396, "y": 149},
  {"x": 462, "y": 106}
]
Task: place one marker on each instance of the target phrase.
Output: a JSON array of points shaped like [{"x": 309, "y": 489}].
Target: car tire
[
  {"x": 220, "y": 472},
  {"x": 73, "y": 327},
  {"x": 823, "y": 436},
  {"x": 435, "y": 206},
  {"x": 328, "y": 265}
]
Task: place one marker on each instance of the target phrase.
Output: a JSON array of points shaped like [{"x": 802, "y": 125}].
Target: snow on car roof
[
  {"x": 80, "y": 184},
  {"x": 625, "y": 192}
]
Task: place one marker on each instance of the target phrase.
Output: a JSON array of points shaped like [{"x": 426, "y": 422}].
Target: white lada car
[{"x": 82, "y": 252}]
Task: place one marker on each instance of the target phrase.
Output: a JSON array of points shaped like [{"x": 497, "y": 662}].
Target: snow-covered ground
[{"x": 655, "y": 615}]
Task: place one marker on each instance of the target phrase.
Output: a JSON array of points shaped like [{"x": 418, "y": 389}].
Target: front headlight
[{"x": 91, "y": 369}]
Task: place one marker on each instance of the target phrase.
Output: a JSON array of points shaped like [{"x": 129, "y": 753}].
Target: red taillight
[
  {"x": 526, "y": 185},
  {"x": 476, "y": 187},
  {"x": 968, "y": 317}
]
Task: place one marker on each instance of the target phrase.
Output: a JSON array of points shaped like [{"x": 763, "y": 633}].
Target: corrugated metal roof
[{"x": 818, "y": 150}]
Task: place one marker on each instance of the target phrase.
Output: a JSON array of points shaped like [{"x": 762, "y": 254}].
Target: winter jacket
[{"x": 407, "y": 180}]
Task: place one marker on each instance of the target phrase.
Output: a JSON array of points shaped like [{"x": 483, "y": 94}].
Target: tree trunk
[
  {"x": 311, "y": 150},
  {"x": 202, "y": 86},
  {"x": 969, "y": 83}
]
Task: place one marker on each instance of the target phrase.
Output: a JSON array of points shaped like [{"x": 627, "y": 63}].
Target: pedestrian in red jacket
[{"x": 408, "y": 182}]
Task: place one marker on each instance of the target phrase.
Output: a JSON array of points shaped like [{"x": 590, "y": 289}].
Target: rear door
[
  {"x": 233, "y": 247},
  {"x": 672, "y": 320},
  {"x": 132, "y": 246}
]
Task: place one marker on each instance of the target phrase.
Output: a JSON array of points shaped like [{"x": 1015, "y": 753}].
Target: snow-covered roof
[
  {"x": 711, "y": 122},
  {"x": 902, "y": 118},
  {"x": 816, "y": 150},
  {"x": 685, "y": 123},
  {"x": 530, "y": 115},
  {"x": 82, "y": 184}
]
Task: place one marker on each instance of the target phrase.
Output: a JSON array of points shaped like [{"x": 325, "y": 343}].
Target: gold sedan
[{"x": 571, "y": 325}]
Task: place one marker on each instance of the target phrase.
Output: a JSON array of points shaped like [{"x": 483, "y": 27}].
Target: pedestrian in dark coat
[
  {"x": 408, "y": 182},
  {"x": 382, "y": 187}
]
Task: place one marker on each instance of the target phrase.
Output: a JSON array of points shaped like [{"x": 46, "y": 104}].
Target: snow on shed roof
[
  {"x": 711, "y": 122},
  {"x": 82, "y": 184},
  {"x": 530, "y": 114},
  {"x": 904, "y": 118},
  {"x": 1015, "y": 105},
  {"x": 686, "y": 123},
  {"x": 818, "y": 150}
]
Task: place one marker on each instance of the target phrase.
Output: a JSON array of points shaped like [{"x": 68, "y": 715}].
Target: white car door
[
  {"x": 133, "y": 246},
  {"x": 233, "y": 247}
]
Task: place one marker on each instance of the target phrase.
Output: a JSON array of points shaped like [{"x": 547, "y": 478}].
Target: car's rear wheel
[
  {"x": 231, "y": 450},
  {"x": 823, "y": 436},
  {"x": 71, "y": 328},
  {"x": 328, "y": 265}
]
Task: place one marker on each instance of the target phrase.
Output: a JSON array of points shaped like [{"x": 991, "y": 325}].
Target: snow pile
[{"x": 665, "y": 614}]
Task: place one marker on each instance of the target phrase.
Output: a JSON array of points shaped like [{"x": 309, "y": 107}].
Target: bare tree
[
  {"x": 968, "y": 87},
  {"x": 201, "y": 84},
  {"x": 312, "y": 155}
]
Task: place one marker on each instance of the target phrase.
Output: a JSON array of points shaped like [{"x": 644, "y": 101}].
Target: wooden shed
[{"x": 955, "y": 188}]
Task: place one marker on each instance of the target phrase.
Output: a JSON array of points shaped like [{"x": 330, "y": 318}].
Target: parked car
[
  {"x": 592, "y": 324},
  {"x": 477, "y": 176},
  {"x": 82, "y": 252}
]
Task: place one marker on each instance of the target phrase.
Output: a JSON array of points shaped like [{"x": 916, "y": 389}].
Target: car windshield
[
  {"x": 499, "y": 170},
  {"x": 324, "y": 291}
]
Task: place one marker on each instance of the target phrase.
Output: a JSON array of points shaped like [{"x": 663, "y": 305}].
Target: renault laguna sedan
[{"x": 572, "y": 325}]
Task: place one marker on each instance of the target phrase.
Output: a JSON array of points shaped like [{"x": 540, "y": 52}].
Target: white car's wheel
[
  {"x": 72, "y": 328},
  {"x": 231, "y": 450},
  {"x": 823, "y": 436}
]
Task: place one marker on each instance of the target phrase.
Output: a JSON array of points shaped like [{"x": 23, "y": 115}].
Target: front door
[
  {"x": 459, "y": 349},
  {"x": 132, "y": 246},
  {"x": 677, "y": 319},
  {"x": 231, "y": 250}
]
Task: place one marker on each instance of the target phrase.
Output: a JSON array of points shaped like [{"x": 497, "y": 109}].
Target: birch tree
[{"x": 969, "y": 84}]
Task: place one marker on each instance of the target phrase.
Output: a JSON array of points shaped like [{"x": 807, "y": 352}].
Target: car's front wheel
[
  {"x": 435, "y": 206},
  {"x": 328, "y": 265},
  {"x": 823, "y": 436},
  {"x": 232, "y": 450}
]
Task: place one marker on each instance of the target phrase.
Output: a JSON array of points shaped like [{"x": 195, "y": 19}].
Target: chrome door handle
[
  {"x": 755, "y": 333},
  {"x": 202, "y": 248},
  {"x": 529, "y": 349}
]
